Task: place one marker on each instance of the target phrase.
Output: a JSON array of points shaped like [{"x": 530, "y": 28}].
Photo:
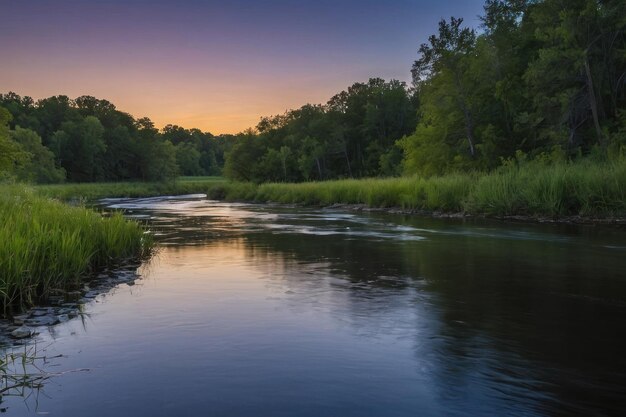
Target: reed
[
  {"x": 45, "y": 244},
  {"x": 584, "y": 188},
  {"x": 92, "y": 191}
]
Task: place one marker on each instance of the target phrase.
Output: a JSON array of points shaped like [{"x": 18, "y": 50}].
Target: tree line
[
  {"x": 88, "y": 139},
  {"x": 541, "y": 79}
]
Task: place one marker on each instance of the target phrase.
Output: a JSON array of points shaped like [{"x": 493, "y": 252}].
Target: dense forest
[
  {"x": 87, "y": 139},
  {"x": 539, "y": 79}
]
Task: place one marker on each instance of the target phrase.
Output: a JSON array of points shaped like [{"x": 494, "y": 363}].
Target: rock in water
[{"x": 21, "y": 332}]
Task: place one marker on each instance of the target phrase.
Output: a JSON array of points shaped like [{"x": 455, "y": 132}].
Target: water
[{"x": 252, "y": 310}]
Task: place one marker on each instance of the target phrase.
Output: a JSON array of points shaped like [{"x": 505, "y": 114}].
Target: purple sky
[{"x": 218, "y": 66}]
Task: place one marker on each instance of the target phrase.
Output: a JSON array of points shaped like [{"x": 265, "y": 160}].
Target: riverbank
[
  {"x": 94, "y": 191},
  {"x": 584, "y": 191},
  {"x": 581, "y": 192},
  {"x": 47, "y": 246}
]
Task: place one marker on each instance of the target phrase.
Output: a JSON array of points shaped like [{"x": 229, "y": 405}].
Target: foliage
[
  {"x": 537, "y": 75},
  {"x": 91, "y": 140},
  {"x": 92, "y": 191},
  {"x": 353, "y": 135},
  {"x": 40, "y": 167},
  {"x": 547, "y": 186},
  {"x": 12, "y": 157},
  {"x": 541, "y": 74},
  {"x": 45, "y": 244}
]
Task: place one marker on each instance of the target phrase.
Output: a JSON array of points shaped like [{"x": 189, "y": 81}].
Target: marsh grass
[
  {"x": 530, "y": 188},
  {"x": 584, "y": 188},
  {"x": 45, "y": 244},
  {"x": 93, "y": 191}
]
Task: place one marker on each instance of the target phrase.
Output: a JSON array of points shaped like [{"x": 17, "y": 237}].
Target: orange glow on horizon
[
  {"x": 223, "y": 106},
  {"x": 215, "y": 66}
]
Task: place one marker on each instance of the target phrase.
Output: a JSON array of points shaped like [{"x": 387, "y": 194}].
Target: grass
[
  {"x": 46, "y": 245},
  {"x": 410, "y": 193},
  {"x": 92, "y": 191},
  {"x": 583, "y": 188},
  {"x": 567, "y": 189}
]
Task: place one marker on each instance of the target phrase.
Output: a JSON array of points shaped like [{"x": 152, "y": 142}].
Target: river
[{"x": 262, "y": 310}]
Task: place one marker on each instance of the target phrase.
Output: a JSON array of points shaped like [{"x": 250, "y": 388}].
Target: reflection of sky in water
[
  {"x": 248, "y": 218},
  {"x": 271, "y": 310}
]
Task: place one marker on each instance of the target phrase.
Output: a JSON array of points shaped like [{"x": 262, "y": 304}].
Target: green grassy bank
[
  {"x": 45, "y": 244},
  {"x": 92, "y": 191},
  {"x": 584, "y": 188},
  {"x": 531, "y": 189}
]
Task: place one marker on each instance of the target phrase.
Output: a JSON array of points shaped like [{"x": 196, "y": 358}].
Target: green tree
[
  {"x": 40, "y": 167},
  {"x": 12, "y": 156},
  {"x": 156, "y": 158},
  {"x": 188, "y": 159},
  {"x": 443, "y": 67},
  {"x": 242, "y": 159},
  {"x": 78, "y": 147},
  {"x": 576, "y": 80}
]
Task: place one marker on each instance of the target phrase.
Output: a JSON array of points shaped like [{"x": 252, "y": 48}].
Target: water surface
[{"x": 252, "y": 310}]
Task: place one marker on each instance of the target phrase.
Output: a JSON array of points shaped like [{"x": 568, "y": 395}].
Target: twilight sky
[{"x": 217, "y": 66}]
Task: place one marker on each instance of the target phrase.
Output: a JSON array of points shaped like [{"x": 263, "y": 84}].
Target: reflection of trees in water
[
  {"x": 525, "y": 317},
  {"x": 521, "y": 314}
]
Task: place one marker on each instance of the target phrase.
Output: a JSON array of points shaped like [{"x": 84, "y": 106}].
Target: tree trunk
[
  {"x": 467, "y": 115},
  {"x": 469, "y": 129},
  {"x": 592, "y": 102},
  {"x": 345, "y": 152}
]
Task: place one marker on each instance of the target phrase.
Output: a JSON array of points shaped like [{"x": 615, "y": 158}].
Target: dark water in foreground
[{"x": 272, "y": 311}]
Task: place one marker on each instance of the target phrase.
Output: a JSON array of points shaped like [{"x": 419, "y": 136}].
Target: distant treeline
[
  {"x": 538, "y": 80},
  {"x": 87, "y": 140}
]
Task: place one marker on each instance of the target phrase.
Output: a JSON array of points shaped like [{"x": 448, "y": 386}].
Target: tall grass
[
  {"x": 443, "y": 193},
  {"x": 92, "y": 191},
  {"x": 532, "y": 188},
  {"x": 583, "y": 188},
  {"x": 45, "y": 244}
]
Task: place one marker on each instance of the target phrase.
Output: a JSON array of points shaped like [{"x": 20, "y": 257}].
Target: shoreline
[
  {"x": 514, "y": 218},
  {"x": 509, "y": 198}
]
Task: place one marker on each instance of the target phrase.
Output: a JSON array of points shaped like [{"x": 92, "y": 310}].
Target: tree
[
  {"x": 78, "y": 147},
  {"x": 162, "y": 164},
  {"x": 446, "y": 59},
  {"x": 12, "y": 156},
  {"x": 241, "y": 160},
  {"x": 188, "y": 159},
  {"x": 576, "y": 80},
  {"x": 40, "y": 167}
]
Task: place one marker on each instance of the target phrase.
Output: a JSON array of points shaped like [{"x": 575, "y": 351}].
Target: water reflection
[{"x": 270, "y": 310}]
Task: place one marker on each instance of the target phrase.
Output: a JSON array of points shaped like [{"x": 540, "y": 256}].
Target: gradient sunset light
[{"x": 216, "y": 66}]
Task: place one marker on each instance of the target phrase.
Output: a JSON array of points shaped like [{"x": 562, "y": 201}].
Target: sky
[{"x": 216, "y": 66}]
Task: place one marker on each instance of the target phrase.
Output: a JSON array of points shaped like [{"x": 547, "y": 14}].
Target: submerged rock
[
  {"x": 19, "y": 320},
  {"x": 63, "y": 305},
  {"x": 22, "y": 332},
  {"x": 38, "y": 313},
  {"x": 42, "y": 321}
]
